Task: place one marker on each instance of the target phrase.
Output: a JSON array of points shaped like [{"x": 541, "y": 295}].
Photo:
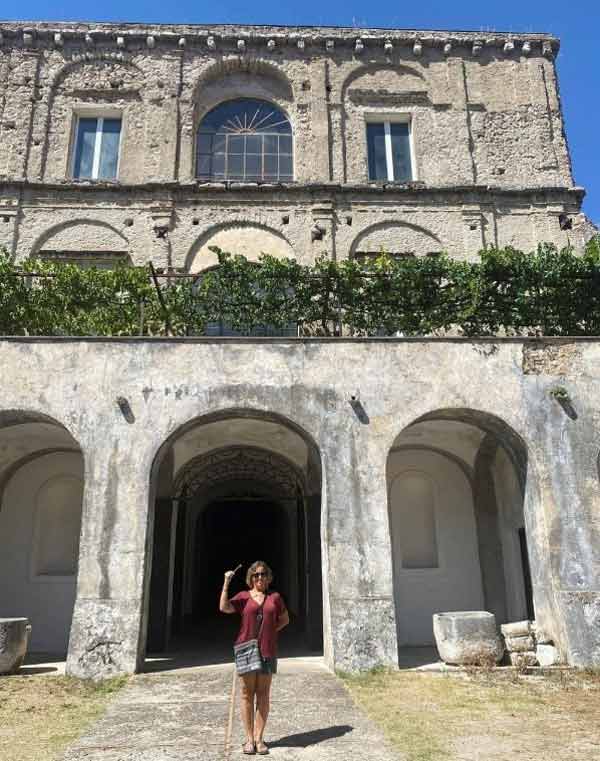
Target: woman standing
[{"x": 263, "y": 615}]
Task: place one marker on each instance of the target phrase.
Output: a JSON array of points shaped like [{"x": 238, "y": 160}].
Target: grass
[
  {"x": 484, "y": 714},
  {"x": 41, "y": 715}
]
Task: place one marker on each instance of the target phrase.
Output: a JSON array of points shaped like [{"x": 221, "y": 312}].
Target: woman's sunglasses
[{"x": 260, "y": 574}]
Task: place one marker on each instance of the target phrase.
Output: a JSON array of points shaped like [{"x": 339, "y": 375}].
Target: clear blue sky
[{"x": 577, "y": 23}]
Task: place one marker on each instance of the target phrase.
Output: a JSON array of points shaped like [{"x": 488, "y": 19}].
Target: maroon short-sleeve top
[{"x": 248, "y": 608}]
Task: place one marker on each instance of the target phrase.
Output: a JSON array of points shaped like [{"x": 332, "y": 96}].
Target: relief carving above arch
[{"x": 238, "y": 464}]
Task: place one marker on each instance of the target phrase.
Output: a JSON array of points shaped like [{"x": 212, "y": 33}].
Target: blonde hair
[{"x": 252, "y": 570}]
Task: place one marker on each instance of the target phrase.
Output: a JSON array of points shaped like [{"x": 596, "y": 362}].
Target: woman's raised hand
[{"x": 230, "y": 574}]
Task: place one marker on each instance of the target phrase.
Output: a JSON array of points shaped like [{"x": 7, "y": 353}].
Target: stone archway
[
  {"x": 456, "y": 481},
  {"x": 41, "y": 492},
  {"x": 253, "y": 497}
]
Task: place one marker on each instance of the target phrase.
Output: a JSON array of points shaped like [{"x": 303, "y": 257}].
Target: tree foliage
[{"x": 505, "y": 292}]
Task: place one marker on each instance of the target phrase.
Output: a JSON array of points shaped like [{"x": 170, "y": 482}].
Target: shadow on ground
[{"x": 315, "y": 736}]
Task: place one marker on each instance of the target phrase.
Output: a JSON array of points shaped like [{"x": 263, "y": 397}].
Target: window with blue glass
[
  {"x": 245, "y": 140},
  {"x": 388, "y": 148},
  {"x": 97, "y": 142}
]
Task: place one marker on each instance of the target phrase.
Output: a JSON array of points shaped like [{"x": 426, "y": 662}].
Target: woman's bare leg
[
  {"x": 263, "y": 695},
  {"x": 248, "y": 682}
]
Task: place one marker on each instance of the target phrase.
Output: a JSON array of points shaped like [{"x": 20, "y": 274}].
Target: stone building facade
[
  {"x": 393, "y": 478},
  {"x": 490, "y": 163}
]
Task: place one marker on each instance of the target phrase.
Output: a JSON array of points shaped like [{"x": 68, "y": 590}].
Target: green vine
[{"x": 505, "y": 292}]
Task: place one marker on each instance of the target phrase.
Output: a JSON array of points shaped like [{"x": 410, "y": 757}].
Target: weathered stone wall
[
  {"x": 309, "y": 382},
  {"x": 491, "y": 163}
]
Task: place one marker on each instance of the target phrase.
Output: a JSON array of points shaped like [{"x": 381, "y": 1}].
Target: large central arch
[{"x": 231, "y": 488}]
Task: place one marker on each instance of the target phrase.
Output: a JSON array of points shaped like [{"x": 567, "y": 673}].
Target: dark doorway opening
[
  {"x": 227, "y": 532},
  {"x": 215, "y": 523}
]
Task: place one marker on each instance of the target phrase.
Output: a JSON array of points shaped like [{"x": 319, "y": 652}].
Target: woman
[{"x": 263, "y": 615}]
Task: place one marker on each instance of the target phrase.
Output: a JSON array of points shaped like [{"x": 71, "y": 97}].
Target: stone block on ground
[
  {"x": 547, "y": 655},
  {"x": 519, "y": 644},
  {"x": 517, "y": 629},
  {"x": 14, "y": 638},
  {"x": 467, "y": 638},
  {"x": 523, "y": 659}
]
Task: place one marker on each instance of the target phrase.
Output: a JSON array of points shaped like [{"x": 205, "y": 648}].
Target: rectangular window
[
  {"x": 388, "y": 148},
  {"x": 96, "y": 155}
]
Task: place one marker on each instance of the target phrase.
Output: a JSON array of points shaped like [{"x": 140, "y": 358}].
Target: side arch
[
  {"x": 82, "y": 234},
  {"x": 42, "y": 476},
  {"x": 481, "y": 506},
  {"x": 396, "y": 237},
  {"x": 401, "y": 70}
]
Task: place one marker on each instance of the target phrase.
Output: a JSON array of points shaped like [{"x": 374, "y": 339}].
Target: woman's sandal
[
  {"x": 261, "y": 748},
  {"x": 248, "y": 748}
]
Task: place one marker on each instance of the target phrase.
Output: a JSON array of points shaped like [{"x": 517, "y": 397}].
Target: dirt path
[{"x": 194, "y": 716}]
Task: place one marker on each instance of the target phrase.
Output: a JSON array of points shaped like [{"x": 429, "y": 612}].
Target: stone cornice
[
  {"x": 309, "y": 39},
  {"x": 172, "y": 191}
]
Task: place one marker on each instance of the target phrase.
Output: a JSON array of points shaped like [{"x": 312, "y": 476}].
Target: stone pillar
[
  {"x": 17, "y": 114},
  {"x": 106, "y": 633},
  {"x": 314, "y": 575},
  {"x": 161, "y": 582},
  {"x": 360, "y": 625},
  {"x": 566, "y": 469},
  {"x": 320, "y": 167}
]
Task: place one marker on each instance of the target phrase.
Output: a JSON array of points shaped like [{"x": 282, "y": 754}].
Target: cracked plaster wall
[{"x": 309, "y": 382}]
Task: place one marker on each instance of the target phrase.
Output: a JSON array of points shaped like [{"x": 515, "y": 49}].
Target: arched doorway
[
  {"x": 41, "y": 490},
  {"x": 232, "y": 489},
  {"x": 456, "y": 481}
]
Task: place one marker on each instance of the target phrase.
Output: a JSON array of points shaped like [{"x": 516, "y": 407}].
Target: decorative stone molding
[
  {"x": 238, "y": 464},
  {"x": 332, "y": 38},
  {"x": 547, "y": 50}
]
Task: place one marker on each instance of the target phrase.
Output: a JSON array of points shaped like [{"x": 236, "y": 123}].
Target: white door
[{"x": 434, "y": 542}]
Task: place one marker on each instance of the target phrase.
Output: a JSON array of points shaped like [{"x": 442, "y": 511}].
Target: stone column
[
  {"x": 567, "y": 475},
  {"x": 360, "y": 624},
  {"x": 106, "y": 633}
]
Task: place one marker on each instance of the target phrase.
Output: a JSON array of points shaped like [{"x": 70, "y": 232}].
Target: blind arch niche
[{"x": 245, "y": 140}]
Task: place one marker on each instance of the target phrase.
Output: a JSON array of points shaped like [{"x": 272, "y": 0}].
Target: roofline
[{"x": 259, "y": 30}]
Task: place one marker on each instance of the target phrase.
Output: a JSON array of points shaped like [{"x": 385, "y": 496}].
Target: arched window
[{"x": 245, "y": 139}]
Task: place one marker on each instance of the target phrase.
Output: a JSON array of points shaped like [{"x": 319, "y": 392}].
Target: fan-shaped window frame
[{"x": 240, "y": 147}]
